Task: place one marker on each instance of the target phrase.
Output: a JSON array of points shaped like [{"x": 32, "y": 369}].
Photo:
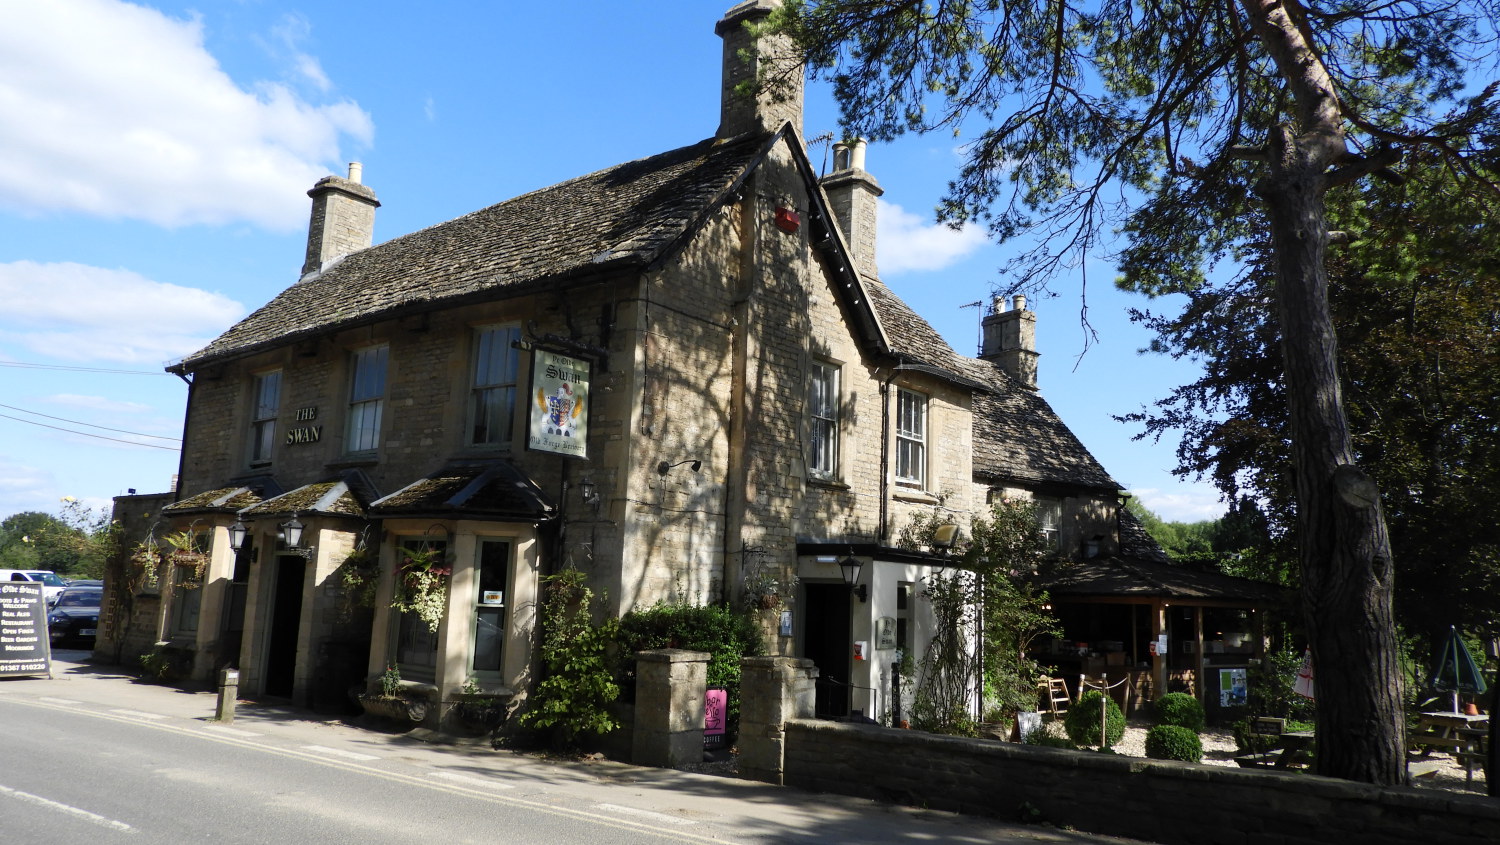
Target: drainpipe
[
  {"x": 182, "y": 453},
  {"x": 735, "y": 474}
]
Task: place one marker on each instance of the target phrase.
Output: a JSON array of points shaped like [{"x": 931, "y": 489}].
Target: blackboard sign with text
[{"x": 25, "y": 648}]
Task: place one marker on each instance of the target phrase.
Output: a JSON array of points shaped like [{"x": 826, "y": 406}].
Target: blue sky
[{"x": 155, "y": 158}]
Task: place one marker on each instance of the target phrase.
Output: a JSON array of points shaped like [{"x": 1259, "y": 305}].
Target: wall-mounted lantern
[{"x": 850, "y": 567}]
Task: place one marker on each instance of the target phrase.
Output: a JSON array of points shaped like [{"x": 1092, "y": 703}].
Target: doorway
[
  {"x": 286, "y": 620},
  {"x": 825, "y": 641}
]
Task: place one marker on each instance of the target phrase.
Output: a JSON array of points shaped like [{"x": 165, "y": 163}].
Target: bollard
[{"x": 229, "y": 690}]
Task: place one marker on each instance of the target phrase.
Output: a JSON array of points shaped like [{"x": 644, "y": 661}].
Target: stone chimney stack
[
  {"x": 851, "y": 194},
  {"x": 343, "y": 218},
  {"x": 1009, "y": 339},
  {"x": 745, "y": 61}
]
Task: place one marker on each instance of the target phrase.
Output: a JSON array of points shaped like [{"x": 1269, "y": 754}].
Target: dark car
[{"x": 75, "y": 616}]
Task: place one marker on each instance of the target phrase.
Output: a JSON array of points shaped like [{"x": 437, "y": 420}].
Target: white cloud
[
  {"x": 1188, "y": 503},
  {"x": 119, "y": 111},
  {"x": 74, "y": 312},
  {"x": 909, "y": 242}
]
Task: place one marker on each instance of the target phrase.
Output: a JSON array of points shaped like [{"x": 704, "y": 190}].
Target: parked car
[
  {"x": 75, "y": 615},
  {"x": 52, "y": 584}
]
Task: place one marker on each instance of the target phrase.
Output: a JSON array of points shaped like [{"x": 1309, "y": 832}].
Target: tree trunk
[{"x": 1345, "y": 552}]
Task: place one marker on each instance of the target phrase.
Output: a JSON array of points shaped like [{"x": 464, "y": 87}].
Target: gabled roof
[
  {"x": 1017, "y": 436},
  {"x": 493, "y": 489},
  {"x": 622, "y": 218},
  {"x": 223, "y": 499}
]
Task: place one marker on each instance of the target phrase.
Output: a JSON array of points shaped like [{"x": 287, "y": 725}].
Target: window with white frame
[
  {"x": 492, "y": 392},
  {"x": 492, "y": 598},
  {"x": 366, "y": 399},
  {"x": 911, "y": 439},
  {"x": 263, "y": 417},
  {"x": 823, "y": 407}
]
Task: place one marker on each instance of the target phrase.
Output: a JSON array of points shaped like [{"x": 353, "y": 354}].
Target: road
[{"x": 93, "y": 756}]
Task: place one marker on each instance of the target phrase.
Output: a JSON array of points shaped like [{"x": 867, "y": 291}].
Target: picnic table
[
  {"x": 1460, "y": 734},
  {"x": 1294, "y": 749}
]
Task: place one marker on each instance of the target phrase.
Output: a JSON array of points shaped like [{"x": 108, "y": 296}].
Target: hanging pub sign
[
  {"x": 25, "y": 647},
  {"x": 559, "y": 405}
]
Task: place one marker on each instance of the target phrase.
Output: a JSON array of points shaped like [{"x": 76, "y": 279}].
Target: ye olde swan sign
[{"x": 559, "y": 404}]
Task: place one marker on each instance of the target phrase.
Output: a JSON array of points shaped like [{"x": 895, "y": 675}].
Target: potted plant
[
  {"x": 474, "y": 711},
  {"x": 186, "y": 553},
  {"x": 393, "y": 703},
  {"x": 422, "y": 585}
]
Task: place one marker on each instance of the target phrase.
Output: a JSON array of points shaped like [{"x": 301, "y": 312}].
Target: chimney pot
[
  {"x": 356, "y": 172},
  {"x": 1020, "y": 301},
  {"x": 857, "y": 154},
  {"x": 840, "y": 157}
]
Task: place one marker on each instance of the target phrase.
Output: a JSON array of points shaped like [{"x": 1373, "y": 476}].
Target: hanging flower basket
[
  {"x": 422, "y": 585},
  {"x": 359, "y": 574}
]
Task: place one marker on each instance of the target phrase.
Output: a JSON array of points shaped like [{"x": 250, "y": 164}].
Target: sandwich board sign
[{"x": 25, "y": 647}]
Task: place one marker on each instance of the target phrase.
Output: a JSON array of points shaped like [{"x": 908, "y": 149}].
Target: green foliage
[
  {"x": 1082, "y": 721},
  {"x": 422, "y": 583},
  {"x": 1048, "y": 740},
  {"x": 74, "y": 544},
  {"x": 1174, "y": 742},
  {"x": 725, "y": 635},
  {"x": 1270, "y": 687},
  {"x": 1180, "y": 709},
  {"x": 571, "y": 701},
  {"x": 390, "y": 681},
  {"x": 990, "y": 587}
]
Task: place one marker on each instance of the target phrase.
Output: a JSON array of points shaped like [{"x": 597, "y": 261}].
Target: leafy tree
[
  {"x": 1191, "y": 124},
  {"x": 1416, "y": 307},
  {"x": 73, "y": 543}
]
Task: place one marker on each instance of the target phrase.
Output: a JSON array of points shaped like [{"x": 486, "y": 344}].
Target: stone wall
[{"x": 1154, "y": 800}]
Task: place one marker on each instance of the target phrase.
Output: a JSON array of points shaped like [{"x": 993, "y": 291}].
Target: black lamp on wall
[
  {"x": 291, "y": 534},
  {"x": 237, "y": 533},
  {"x": 851, "y": 566}
]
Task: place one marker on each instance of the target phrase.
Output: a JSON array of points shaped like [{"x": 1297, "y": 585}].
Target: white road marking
[
  {"x": 339, "y": 752},
  {"x": 94, "y": 818},
  {"x": 139, "y": 715},
  {"x": 470, "y": 780},
  {"x": 58, "y": 700},
  {"x": 223, "y": 729},
  {"x": 645, "y": 814}
]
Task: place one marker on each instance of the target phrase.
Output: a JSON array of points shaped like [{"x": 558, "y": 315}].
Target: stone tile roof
[
  {"x": 624, "y": 217},
  {"x": 223, "y": 499},
  {"x": 336, "y": 498},
  {"x": 1017, "y": 435},
  {"x": 1150, "y": 579},
  {"x": 495, "y": 489}
]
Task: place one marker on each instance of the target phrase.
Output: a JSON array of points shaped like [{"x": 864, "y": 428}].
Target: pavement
[{"x": 695, "y": 806}]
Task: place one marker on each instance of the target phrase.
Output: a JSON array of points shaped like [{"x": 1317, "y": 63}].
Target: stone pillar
[
  {"x": 669, "y": 688},
  {"x": 772, "y": 691}
]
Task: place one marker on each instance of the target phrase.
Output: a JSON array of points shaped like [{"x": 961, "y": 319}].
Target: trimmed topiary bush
[
  {"x": 1180, "y": 709},
  {"x": 1174, "y": 742},
  {"x": 1082, "y": 721}
]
